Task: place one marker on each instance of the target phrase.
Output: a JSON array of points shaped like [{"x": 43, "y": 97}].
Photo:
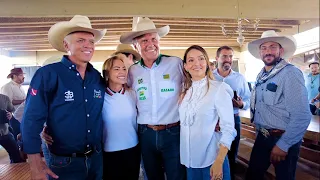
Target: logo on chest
[
  {"x": 97, "y": 94},
  {"x": 68, "y": 96}
]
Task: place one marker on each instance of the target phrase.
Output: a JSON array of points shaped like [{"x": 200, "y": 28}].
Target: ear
[
  {"x": 281, "y": 52},
  {"x": 185, "y": 67},
  {"x": 65, "y": 44}
]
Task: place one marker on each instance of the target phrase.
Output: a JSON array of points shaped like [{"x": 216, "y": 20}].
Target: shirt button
[
  {"x": 86, "y": 100},
  {"x": 84, "y": 87},
  {"x": 88, "y": 130},
  {"x": 72, "y": 65},
  {"x": 88, "y": 145},
  {"x": 88, "y": 115},
  {"x": 77, "y": 74},
  {"x": 69, "y": 67}
]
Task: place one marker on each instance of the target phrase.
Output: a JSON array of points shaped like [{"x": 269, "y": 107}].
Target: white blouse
[{"x": 199, "y": 112}]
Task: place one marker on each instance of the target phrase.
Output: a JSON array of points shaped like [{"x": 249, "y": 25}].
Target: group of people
[
  {"x": 174, "y": 117},
  {"x": 312, "y": 81}
]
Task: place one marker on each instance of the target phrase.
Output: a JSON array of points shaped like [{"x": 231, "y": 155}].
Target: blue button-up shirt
[
  {"x": 238, "y": 83},
  {"x": 71, "y": 107},
  {"x": 312, "y": 83},
  {"x": 282, "y": 103}
]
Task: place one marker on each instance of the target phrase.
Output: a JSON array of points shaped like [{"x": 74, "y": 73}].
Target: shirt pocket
[
  {"x": 167, "y": 89},
  {"x": 269, "y": 97}
]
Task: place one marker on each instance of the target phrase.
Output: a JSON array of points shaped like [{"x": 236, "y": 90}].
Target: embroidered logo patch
[
  {"x": 68, "y": 96},
  {"x": 140, "y": 81},
  {"x": 33, "y": 92},
  {"x": 166, "y": 76},
  {"x": 96, "y": 94}
]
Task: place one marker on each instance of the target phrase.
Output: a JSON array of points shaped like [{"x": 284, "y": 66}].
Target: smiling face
[
  {"x": 196, "y": 64},
  {"x": 148, "y": 46},
  {"x": 225, "y": 59},
  {"x": 80, "y": 46},
  {"x": 115, "y": 71},
  {"x": 270, "y": 53}
]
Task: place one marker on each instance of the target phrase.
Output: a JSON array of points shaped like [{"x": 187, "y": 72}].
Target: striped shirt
[
  {"x": 282, "y": 103},
  {"x": 157, "y": 90}
]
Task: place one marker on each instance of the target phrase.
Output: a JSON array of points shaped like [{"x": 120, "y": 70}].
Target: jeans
[
  {"x": 204, "y": 173},
  {"x": 233, "y": 153},
  {"x": 45, "y": 152},
  {"x": 10, "y": 145},
  {"x": 161, "y": 153},
  {"x": 77, "y": 168},
  {"x": 260, "y": 159}
]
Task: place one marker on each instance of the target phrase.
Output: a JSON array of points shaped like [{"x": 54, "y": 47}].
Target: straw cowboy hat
[
  {"x": 126, "y": 48},
  {"x": 60, "y": 30},
  {"x": 144, "y": 26},
  {"x": 51, "y": 60},
  {"x": 15, "y": 71},
  {"x": 288, "y": 43}
]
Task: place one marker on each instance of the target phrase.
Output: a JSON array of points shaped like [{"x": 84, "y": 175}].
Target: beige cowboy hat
[
  {"x": 60, "y": 30},
  {"x": 144, "y": 26},
  {"x": 127, "y": 48},
  {"x": 51, "y": 60},
  {"x": 288, "y": 43}
]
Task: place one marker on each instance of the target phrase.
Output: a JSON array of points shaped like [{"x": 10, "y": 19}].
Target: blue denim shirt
[{"x": 70, "y": 106}]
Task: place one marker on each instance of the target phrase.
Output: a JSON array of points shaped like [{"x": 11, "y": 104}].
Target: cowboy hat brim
[
  {"x": 127, "y": 38},
  {"x": 11, "y": 74},
  {"x": 133, "y": 52},
  {"x": 59, "y": 31},
  {"x": 287, "y": 43}
]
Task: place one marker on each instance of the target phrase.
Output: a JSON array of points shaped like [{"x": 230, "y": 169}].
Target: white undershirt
[{"x": 119, "y": 116}]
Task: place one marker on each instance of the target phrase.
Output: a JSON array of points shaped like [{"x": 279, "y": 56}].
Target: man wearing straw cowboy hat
[
  {"x": 157, "y": 80},
  {"x": 279, "y": 104},
  {"x": 128, "y": 54},
  {"x": 68, "y": 96}
]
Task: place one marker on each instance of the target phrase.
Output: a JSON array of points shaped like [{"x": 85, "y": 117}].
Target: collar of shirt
[
  {"x": 158, "y": 60},
  {"x": 111, "y": 93},
  {"x": 215, "y": 72},
  {"x": 16, "y": 84},
  {"x": 67, "y": 62}
]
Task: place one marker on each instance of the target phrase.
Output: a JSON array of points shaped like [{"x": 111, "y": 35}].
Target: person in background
[
  {"x": 204, "y": 101},
  {"x": 312, "y": 82},
  {"x": 128, "y": 54},
  {"x": 239, "y": 85}
]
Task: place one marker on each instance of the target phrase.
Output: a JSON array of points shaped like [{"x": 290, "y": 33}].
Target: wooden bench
[
  {"x": 308, "y": 164},
  {"x": 18, "y": 171}
]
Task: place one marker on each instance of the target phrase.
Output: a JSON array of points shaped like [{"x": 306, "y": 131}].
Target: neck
[
  {"x": 268, "y": 68},
  {"x": 116, "y": 87},
  {"x": 197, "y": 78},
  {"x": 223, "y": 73},
  {"x": 148, "y": 63}
]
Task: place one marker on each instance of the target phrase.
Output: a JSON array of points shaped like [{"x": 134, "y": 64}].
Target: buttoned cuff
[{"x": 283, "y": 145}]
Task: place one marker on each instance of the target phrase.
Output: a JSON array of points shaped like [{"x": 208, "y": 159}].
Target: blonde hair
[
  {"x": 107, "y": 66},
  {"x": 187, "y": 76}
]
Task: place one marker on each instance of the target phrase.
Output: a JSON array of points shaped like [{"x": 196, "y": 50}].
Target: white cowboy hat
[
  {"x": 126, "y": 48},
  {"x": 144, "y": 26},
  {"x": 288, "y": 43},
  {"x": 60, "y": 30},
  {"x": 51, "y": 60}
]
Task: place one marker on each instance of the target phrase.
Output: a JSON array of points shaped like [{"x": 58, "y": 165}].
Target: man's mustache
[{"x": 269, "y": 55}]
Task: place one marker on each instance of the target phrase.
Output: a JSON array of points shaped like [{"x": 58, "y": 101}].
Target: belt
[
  {"x": 87, "y": 153},
  {"x": 236, "y": 114},
  {"x": 163, "y": 127},
  {"x": 271, "y": 132}
]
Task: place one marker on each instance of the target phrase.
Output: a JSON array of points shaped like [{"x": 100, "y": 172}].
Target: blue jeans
[
  {"x": 10, "y": 145},
  {"x": 77, "y": 168},
  {"x": 260, "y": 159},
  {"x": 161, "y": 153},
  {"x": 204, "y": 173},
  {"x": 45, "y": 152},
  {"x": 233, "y": 153}
]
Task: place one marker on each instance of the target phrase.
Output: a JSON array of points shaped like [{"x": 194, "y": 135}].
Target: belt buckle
[
  {"x": 88, "y": 152},
  {"x": 155, "y": 128},
  {"x": 264, "y": 132}
]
